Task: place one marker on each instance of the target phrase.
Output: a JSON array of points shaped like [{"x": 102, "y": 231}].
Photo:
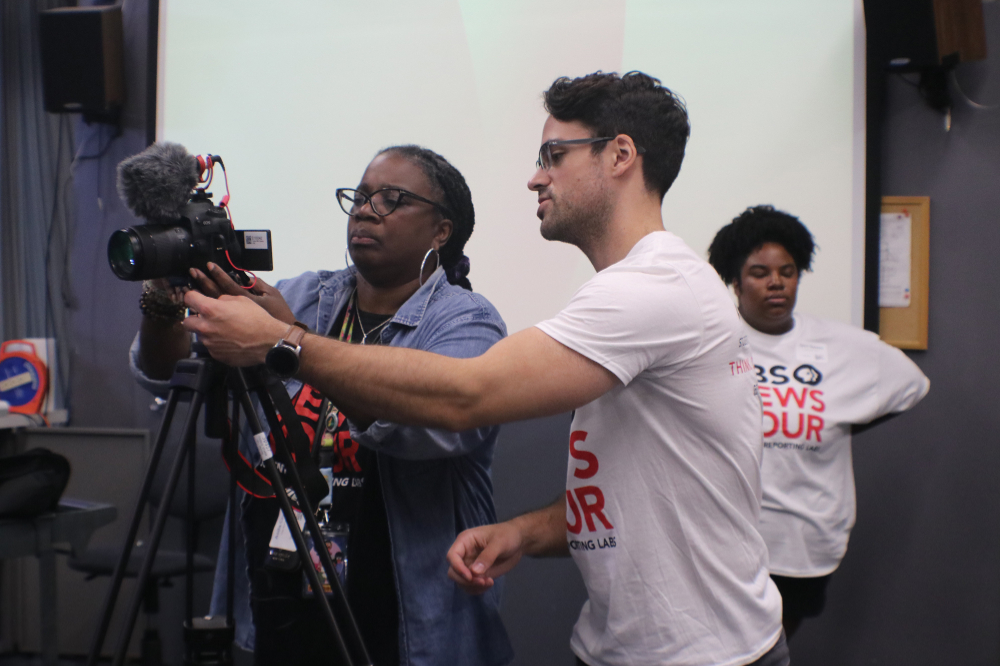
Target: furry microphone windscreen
[{"x": 156, "y": 183}]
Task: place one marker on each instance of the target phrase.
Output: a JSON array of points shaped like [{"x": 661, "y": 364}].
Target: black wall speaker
[
  {"x": 82, "y": 60},
  {"x": 916, "y": 35}
]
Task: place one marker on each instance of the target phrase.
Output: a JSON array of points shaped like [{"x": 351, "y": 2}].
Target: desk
[{"x": 72, "y": 523}]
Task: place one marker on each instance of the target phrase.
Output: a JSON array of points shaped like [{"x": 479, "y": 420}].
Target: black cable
[
  {"x": 50, "y": 315},
  {"x": 98, "y": 247},
  {"x": 52, "y": 223},
  {"x": 931, "y": 87},
  {"x": 59, "y": 196}
]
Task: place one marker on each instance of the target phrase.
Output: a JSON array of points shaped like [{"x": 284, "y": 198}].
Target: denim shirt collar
[{"x": 337, "y": 287}]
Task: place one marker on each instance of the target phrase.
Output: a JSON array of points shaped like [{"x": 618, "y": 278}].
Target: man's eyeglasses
[
  {"x": 383, "y": 202},
  {"x": 546, "y": 159}
]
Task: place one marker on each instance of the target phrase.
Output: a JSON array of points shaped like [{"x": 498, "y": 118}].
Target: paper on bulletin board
[{"x": 894, "y": 260}]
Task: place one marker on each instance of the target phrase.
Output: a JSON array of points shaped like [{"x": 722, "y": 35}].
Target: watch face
[{"x": 282, "y": 361}]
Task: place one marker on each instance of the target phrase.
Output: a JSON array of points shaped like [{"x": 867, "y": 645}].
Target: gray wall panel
[{"x": 921, "y": 583}]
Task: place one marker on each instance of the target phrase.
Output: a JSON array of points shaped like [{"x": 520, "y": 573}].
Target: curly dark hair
[
  {"x": 456, "y": 197},
  {"x": 634, "y": 104},
  {"x": 747, "y": 233}
]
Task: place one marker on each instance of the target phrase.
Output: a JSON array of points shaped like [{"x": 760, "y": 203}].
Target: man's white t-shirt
[
  {"x": 814, "y": 382},
  {"x": 663, "y": 484}
]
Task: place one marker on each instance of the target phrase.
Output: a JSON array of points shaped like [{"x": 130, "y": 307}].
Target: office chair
[{"x": 211, "y": 498}]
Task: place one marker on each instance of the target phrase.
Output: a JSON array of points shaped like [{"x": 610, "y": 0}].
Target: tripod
[{"x": 204, "y": 382}]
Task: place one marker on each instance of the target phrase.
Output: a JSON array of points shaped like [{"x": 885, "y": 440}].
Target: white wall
[{"x": 297, "y": 97}]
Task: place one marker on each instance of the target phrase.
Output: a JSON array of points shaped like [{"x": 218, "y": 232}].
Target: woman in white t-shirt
[{"x": 818, "y": 380}]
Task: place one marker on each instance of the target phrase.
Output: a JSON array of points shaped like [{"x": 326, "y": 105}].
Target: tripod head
[{"x": 203, "y": 374}]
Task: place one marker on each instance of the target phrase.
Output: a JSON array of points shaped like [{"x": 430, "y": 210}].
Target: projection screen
[{"x": 298, "y": 97}]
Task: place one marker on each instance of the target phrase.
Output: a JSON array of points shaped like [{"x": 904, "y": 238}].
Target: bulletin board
[{"x": 904, "y": 326}]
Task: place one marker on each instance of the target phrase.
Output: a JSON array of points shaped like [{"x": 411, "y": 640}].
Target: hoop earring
[
  {"x": 347, "y": 261},
  {"x": 437, "y": 262}
]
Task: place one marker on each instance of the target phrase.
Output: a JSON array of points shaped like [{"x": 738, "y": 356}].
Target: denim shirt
[{"x": 435, "y": 483}]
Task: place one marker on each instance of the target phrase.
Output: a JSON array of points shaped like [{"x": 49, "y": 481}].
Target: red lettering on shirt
[
  {"x": 346, "y": 449},
  {"x": 307, "y": 405},
  {"x": 773, "y": 428},
  {"x": 589, "y": 500},
  {"x": 591, "y": 509},
  {"x": 800, "y": 400},
  {"x": 784, "y": 426},
  {"x": 309, "y": 402},
  {"x": 815, "y": 426},
  {"x": 577, "y": 524},
  {"x": 740, "y": 366},
  {"x": 811, "y": 424},
  {"x": 793, "y": 404},
  {"x": 817, "y": 397},
  {"x": 586, "y": 456}
]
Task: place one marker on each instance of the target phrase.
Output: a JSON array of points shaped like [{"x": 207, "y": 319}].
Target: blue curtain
[{"x": 36, "y": 161}]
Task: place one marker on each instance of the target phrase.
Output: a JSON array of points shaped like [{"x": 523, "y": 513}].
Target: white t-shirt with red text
[
  {"x": 663, "y": 483},
  {"x": 814, "y": 382}
]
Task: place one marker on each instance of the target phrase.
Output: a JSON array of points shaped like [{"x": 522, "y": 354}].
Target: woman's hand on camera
[{"x": 218, "y": 282}]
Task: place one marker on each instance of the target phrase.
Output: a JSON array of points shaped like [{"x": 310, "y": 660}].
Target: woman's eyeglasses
[{"x": 382, "y": 202}]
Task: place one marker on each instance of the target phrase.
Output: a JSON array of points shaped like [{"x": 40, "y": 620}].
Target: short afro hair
[{"x": 747, "y": 233}]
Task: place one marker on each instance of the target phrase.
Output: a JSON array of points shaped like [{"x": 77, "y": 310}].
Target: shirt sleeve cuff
[
  {"x": 374, "y": 435},
  {"x": 158, "y": 387}
]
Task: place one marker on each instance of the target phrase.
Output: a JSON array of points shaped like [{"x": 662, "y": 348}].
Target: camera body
[{"x": 202, "y": 233}]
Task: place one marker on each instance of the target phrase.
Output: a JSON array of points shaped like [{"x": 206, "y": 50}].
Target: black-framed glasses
[
  {"x": 546, "y": 159},
  {"x": 382, "y": 202}
]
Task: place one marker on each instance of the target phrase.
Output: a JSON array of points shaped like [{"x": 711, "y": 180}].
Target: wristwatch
[{"x": 283, "y": 358}]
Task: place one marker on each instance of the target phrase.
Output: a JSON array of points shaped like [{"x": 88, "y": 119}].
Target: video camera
[{"x": 184, "y": 228}]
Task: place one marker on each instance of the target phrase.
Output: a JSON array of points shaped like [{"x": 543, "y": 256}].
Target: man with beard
[{"x": 663, "y": 485}]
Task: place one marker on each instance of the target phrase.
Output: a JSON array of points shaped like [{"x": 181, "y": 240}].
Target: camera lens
[
  {"x": 124, "y": 254},
  {"x": 150, "y": 251}
]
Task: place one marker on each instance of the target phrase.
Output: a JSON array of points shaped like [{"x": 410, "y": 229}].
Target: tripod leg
[
  {"x": 331, "y": 572},
  {"x": 186, "y": 448},
  {"x": 116, "y": 579},
  {"x": 293, "y": 524},
  {"x": 284, "y": 457},
  {"x": 234, "y": 431},
  {"x": 191, "y": 533}
]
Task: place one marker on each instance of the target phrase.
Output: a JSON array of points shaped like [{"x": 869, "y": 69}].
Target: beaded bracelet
[{"x": 160, "y": 305}]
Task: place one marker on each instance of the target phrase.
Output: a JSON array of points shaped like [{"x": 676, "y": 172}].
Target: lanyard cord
[
  {"x": 347, "y": 328},
  {"x": 352, "y": 314}
]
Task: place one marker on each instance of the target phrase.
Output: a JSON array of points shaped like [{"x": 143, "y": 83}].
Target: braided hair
[
  {"x": 457, "y": 199},
  {"x": 755, "y": 226}
]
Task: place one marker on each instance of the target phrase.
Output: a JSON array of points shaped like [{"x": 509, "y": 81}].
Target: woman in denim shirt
[{"x": 404, "y": 492}]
